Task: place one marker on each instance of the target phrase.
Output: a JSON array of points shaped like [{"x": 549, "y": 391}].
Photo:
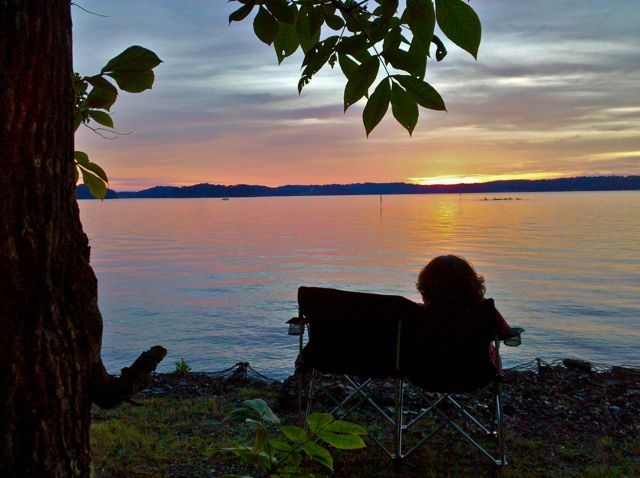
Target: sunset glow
[
  {"x": 448, "y": 180},
  {"x": 540, "y": 102}
]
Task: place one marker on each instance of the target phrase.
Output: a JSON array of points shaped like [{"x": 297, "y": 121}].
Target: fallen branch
[{"x": 107, "y": 391}]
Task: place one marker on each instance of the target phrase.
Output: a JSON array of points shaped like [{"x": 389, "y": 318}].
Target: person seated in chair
[{"x": 450, "y": 283}]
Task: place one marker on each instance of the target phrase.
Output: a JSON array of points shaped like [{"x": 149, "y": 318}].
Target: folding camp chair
[{"x": 415, "y": 373}]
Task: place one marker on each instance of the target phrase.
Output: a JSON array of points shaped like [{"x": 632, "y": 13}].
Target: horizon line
[{"x": 443, "y": 184}]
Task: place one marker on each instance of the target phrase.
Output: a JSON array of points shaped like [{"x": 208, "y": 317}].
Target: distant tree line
[{"x": 596, "y": 183}]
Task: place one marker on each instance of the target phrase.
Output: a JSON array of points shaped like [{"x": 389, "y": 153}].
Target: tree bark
[{"x": 50, "y": 324}]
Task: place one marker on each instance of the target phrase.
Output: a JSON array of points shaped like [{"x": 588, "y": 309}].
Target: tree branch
[{"x": 107, "y": 391}]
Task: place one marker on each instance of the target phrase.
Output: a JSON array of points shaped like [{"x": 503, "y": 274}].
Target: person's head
[{"x": 450, "y": 280}]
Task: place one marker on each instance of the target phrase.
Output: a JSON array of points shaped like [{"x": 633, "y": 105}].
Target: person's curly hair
[{"x": 450, "y": 280}]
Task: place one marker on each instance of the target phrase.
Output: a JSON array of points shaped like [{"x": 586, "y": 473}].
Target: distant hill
[
  {"x": 594, "y": 183},
  {"x": 82, "y": 192}
]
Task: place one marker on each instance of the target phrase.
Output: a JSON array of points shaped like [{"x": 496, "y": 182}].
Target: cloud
[{"x": 556, "y": 89}]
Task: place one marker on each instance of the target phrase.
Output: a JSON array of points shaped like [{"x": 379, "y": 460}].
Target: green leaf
[
  {"x": 328, "y": 10},
  {"x": 362, "y": 56},
  {"x": 425, "y": 94},
  {"x": 286, "y": 41},
  {"x": 308, "y": 26},
  {"x": 404, "y": 108},
  {"x": 341, "y": 434},
  {"x": 103, "y": 94},
  {"x": 387, "y": 8},
  {"x": 281, "y": 9},
  {"x": 317, "y": 421},
  {"x": 134, "y": 58},
  {"x": 262, "y": 409},
  {"x": 240, "y": 414},
  {"x": 378, "y": 30},
  {"x": 353, "y": 43},
  {"x": 357, "y": 20},
  {"x": 335, "y": 22},
  {"x": 261, "y": 444},
  {"x": 377, "y": 106},
  {"x": 358, "y": 84},
  {"x": 95, "y": 170},
  {"x": 347, "y": 65},
  {"x": 393, "y": 39},
  {"x": 295, "y": 434},
  {"x": 256, "y": 409},
  {"x": 265, "y": 26},
  {"x": 244, "y": 453},
  {"x": 420, "y": 17},
  {"x": 460, "y": 23},
  {"x": 318, "y": 453},
  {"x": 81, "y": 157},
  {"x": 318, "y": 56},
  {"x": 241, "y": 13},
  {"x": 342, "y": 441},
  {"x": 97, "y": 187},
  {"x": 404, "y": 60},
  {"x": 133, "y": 81},
  {"x": 281, "y": 445},
  {"x": 418, "y": 52},
  {"x": 255, "y": 421},
  {"x": 342, "y": 426},
  {"x": 101, "y": 117}
]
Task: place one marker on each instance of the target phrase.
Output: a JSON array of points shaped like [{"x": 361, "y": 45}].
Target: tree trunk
[{"x": 50, "y": 325}]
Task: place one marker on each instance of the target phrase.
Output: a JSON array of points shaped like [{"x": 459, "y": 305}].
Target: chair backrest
[
  {"x": 447, "y": 350},
  {"x": 353, "y": 332},
  {"x": 380, "y": 336}
]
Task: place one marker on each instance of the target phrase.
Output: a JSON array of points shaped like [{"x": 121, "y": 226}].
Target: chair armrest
[
  {"x": 514, "y": 338},
  {"x": 296, "y": 326}
]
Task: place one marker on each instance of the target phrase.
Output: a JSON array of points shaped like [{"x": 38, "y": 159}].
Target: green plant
[
  {"x": 132, "y": 70},
  {"x": 284, "y": 455},
  {"x": 182, "y": 367},
  {"x": 365, "y": 38}
]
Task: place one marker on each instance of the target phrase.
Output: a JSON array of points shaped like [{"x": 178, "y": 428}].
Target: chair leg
[
  {"x": 310, "y": 391},
  {"x": 399, "y": 383},
  {"x": 499, "y": 418},
  {"x": 488, "y": 436}
]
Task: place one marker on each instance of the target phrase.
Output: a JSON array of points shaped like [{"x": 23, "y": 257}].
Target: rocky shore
[{"x": 576, "y": 415}]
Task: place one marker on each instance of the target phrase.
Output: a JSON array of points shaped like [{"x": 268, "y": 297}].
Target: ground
[{"x": 567, "y": 418}]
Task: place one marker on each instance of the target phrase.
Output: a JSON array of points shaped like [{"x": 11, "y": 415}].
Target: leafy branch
[
  {"x": 283, "y": 455},
  {"x": 362, "y": 35},
  {"x": 132, "y": 71}
]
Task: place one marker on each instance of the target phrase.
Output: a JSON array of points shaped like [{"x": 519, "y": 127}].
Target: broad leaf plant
[
  {"x": 292, "y": 452},
  {"x": 381, "y": 46},
  {"x": 132, "y": 71}
]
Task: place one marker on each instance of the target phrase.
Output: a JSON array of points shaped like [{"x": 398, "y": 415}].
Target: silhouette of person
[{"x": 450, "y": 282}]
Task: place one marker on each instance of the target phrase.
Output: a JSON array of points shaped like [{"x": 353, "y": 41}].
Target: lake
[{"x": 214, "y": 281}]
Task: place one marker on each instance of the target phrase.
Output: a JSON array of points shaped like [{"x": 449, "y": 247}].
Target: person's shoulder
[{"x": 487, "y": 304}]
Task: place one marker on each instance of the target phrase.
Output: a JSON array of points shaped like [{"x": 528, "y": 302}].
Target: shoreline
[
  {"x": 246, "y": 369},
  {"x": 563, "y": 419},
  {"x": 566, "y": 374}
]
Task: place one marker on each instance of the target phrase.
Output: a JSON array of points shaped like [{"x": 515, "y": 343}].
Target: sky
[{"x": 555, "y": 92}]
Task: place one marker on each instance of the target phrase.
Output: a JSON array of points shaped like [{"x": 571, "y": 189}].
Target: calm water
[{"x": 214, "y": 281}]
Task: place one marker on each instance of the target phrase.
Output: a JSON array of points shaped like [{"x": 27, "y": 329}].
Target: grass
[
  {"x": 151, "y": 440},
  {"x": 184, "y": 437}
]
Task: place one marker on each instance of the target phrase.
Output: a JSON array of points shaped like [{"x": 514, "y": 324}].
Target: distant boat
[
  {"x": 503, "y": 199},
  {"x": 225, "y": 199}
]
